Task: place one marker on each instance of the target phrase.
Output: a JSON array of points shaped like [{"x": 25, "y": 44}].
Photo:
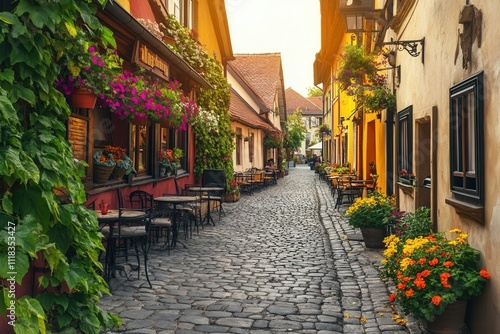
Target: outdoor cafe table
[
  {"x": 175, "y": 201},
  {"x": 209, "y": 190},
  {"x": 108, "y": 221}
]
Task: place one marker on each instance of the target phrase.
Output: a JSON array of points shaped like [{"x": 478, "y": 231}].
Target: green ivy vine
[
  {"x": 214, "y": 148},
  {"x": 41, "y": 193}
]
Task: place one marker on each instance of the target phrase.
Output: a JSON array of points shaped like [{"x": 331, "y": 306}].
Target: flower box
[{"x": 82, "y": 98}]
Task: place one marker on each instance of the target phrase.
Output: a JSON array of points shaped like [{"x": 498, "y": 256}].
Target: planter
[
  {"x": 451, "y": 321},
  {"x": 102, "y": 173},
  {"x": 232, "y": 197},
  {"x": 117, "y": 174},
  {"x": 374, "y": 236},
  {"x": 82, "y": 98},
  {"x": 405, "y": 180},
  {"x": 163, "y": 170}
]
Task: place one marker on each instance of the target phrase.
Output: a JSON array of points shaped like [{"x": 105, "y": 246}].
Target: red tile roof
[
  {"x": 240, "y": 111},
  {"x": 308, "y": 106},
  {"x": 261, "y": 72}
]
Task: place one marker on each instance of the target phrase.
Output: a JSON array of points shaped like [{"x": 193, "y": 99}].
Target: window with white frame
[{"x": 466, "y": 140}]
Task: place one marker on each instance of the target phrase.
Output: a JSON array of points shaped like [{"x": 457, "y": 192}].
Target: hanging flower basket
[{"x": 82, "y": 98}]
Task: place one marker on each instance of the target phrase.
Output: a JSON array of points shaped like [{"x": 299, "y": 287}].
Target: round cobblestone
[{"x": 278, "y": 261}]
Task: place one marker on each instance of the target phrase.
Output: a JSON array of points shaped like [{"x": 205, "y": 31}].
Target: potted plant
[
  {"x": 103, "y": 166},
  {"x": 357, "y": 68},
  {"x": 124, "y": 164},
  {"x": 370, "y": 214},
  {"x": 233, "y": 192},
  {"x": 379, "y": 98},
  {"x": 434, "y": 274},
  {"x": 166, "y": 158},
  {"x": 273, "y": 139},
  {"x": 89, "y": 75},
  {"x": 406, "y": 177},
  {"x": 324, "y": 130}
]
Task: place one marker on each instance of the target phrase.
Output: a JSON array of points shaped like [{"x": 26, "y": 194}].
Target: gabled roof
[
  {"x": 240, "y": 111},
  {"x": 262, "y": 73},
  {"x": 306, "y": 105}
]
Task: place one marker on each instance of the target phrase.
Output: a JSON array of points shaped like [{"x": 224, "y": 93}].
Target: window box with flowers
[
  {"x": 103, "y": 166},
  {"x": 233, "y": 192},
  {"x": 407, "y": 178},
  {"x": 169, "y": 160},
  {"x": 434, "y": 274},
  {"x": 123, "y": 162}
]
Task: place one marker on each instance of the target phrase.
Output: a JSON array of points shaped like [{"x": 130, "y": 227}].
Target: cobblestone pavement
[{"x": 278, "y": 261}]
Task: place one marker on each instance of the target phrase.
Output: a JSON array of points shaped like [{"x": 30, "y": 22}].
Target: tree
[
  {"x": 295, "y": 132},
  {"x": 41, "y": 193},
  {"x": 314, "y": 91}
]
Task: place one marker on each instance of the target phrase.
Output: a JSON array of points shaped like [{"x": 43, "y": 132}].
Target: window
[
  {"x": 171, "y": 139},
  {"x": 466, "y": 140},
  {"x": 405, "y": 142},
  {"x": 140, "y": 148},
  {"x": 251, "y": 145},
  {"x": 239, "y": 142},
  {"x": 182, "y": 10}
]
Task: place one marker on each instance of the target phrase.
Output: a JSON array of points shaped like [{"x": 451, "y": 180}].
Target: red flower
[
  {"x": 392, "y": 297},
  {"x": 484, "y": 273},
  {"x": 419, "y": 283},
  {"x": 401, "y": 286},
  {"x": 433, "y": 262},
  {"x": 448, "y": 264}
]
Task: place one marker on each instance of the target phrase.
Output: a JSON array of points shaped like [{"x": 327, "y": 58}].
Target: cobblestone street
[{"x": 278, "y": 261}]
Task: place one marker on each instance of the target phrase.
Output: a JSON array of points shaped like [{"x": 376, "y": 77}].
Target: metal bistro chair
[
  {"x": 346, "y": 190},
  {"x": 215, "y": 178},
  {"x": 161, "y": 223},
  {"x": 130, "y": 232}
]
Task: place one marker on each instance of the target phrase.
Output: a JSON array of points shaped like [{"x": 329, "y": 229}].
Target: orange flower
[
  {"x": 444, "y": 280},
  {"x": 448, "y": 264},
  {"x": 436, "y": 300},
  {"x": 401, "y": 286},
  {"x": 484, "y": 273},
  {"x": 422, "y": 260},
  {"x": 409, "y": 293},
  {"x": 433, "y": 262},
  {"x": 392, "y": 297},
  {"x": 425, "y": 273},
  {"x": 406, "y": 279},
  {"x": 419, "y": 283}
]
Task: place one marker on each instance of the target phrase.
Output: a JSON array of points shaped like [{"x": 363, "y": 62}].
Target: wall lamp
[
  {"x": 409, "y": 46},
  {"x": 341, "y": 125}
]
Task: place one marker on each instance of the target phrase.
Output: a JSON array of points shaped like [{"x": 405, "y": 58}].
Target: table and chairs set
[
  {"x": 254, "y": 179},
  {"x": 346, "y": 188},
  {"x": 130, "y": 230}
]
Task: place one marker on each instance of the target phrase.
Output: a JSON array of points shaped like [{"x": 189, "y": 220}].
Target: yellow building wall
[{"x": 204, "y": 25}]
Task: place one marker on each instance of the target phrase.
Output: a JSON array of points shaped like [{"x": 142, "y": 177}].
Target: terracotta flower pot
[{"x": 82, "y": 98}]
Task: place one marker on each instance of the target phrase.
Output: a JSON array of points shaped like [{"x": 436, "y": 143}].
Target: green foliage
[
  {"x": 314, "y": 91},
  {"x": 379, "y": 98},
  {"x": 295, "y": 130},
  {"x": 36, "y": 160},
  {"x": 370, "y": 211},
  {"x": 214, "y": 144}
]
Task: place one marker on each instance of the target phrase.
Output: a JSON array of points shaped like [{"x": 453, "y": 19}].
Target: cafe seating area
[
  {"x": 165, "y": 220},
  {"x": 345, "y": 188}
]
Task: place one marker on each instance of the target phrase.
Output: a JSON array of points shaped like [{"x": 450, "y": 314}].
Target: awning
[{"x": 318, "y": 146}]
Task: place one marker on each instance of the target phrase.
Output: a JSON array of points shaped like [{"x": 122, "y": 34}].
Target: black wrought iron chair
[
  {"x": 161, "y": 222},
  {"x": 215, "y": 178},
  {"x": 130, "y": 232}
]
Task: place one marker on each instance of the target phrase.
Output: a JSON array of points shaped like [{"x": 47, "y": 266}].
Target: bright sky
[{"x": 291, "y": 27}]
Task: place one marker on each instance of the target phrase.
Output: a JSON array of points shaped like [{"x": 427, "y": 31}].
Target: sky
[{"x": 290, "y": 27}]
